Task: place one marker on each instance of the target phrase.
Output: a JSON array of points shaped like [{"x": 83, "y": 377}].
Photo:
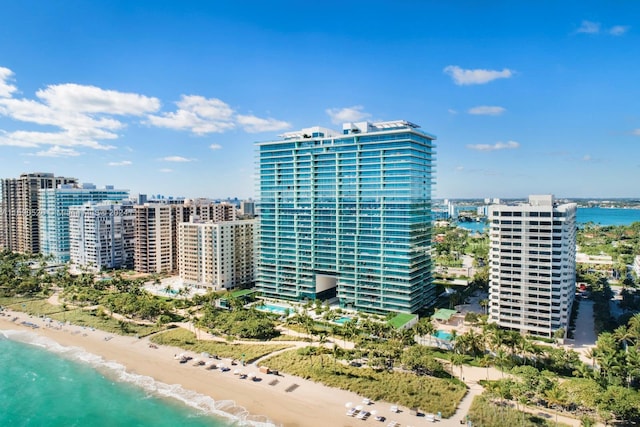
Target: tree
[
  {"x": 502, "y": 359},
  {"x": 556, "y": 398},
  {"x": 486, "y": 362},
  {"x": 484, "y": 303},
  {"x": 458, "y": 360}
]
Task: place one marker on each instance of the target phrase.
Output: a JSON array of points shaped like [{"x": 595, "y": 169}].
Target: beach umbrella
[
  {"x": 236, "y": 372},
  {"x": 252, "y": 375},
  {"x": 348, "y": 405},
  {"x": 359, "y": 408},
  {"x": 374, "y": 412}
]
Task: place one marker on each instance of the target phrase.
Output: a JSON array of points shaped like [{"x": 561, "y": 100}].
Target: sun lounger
[{"x": 291, "y": 388}]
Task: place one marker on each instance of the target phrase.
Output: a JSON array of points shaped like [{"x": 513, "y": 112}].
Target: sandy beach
[{"x": 309, "y": 404}]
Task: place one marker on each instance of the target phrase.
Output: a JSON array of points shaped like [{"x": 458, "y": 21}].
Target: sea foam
[{"x": 226, "y": 409}]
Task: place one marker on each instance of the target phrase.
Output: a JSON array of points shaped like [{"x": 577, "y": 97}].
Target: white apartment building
[
  {"x": 101, "y": 235},
  {"x": 217, "y": 255},
  {"x": 533, "y": 257}
]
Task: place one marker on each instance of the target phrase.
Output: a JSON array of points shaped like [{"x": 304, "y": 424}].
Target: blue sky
[{"x": 169, "y": 97}]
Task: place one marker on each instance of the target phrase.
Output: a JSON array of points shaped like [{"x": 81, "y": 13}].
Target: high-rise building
[
  {"x": 217, "y": 255},
  {"x": 155, "y": 250},
  {"x": 54, "y": 206},
  {"x": 248, "y": 208},
  {"x": 208, "y": 210},
  {"x": 156, "y": 242},
  {"x": 101, "y": 234},
  {"x": 348, "y": 214},
  {"x": 20, "y": 211},
  {"x": 533, "y": 265}
]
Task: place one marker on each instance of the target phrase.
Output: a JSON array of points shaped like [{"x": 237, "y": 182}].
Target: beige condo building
[
  {"x": 217, "y": 255},
  {"x": 20, "y": 210}
]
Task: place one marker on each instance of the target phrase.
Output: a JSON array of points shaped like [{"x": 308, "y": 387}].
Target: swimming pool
[
  {"x": 343, "y": 320},
  {"x": 276, "y": 309},
  {"x": 443, "y": 335}
]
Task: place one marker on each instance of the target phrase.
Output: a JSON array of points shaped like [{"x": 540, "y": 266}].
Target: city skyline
[{"x": 164, "y": 98}]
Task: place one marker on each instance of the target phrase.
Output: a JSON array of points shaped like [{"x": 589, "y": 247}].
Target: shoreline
[{"x": 282, "y": 403}]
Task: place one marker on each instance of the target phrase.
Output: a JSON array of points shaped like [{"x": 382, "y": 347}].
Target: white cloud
[
  {"x": 122, "y": 163},
  {"x": 82, "y": 114},
  {"x": 215, "y": 147},
  {"x": 253, "y": 124},
  {"x": 459, "y": 168},
  {"x": 348, "y": 114},
  {"x": 87, "y": 116},
  {"x": 464, "y": 77},
  {"x": 452, "y": 111},
  {"x": 35, "y": 139},
  {"x": 178, "y": 159},
  {"x": 509, "y": 145},
  {"x": 636, "y": 132},
  {"x": 6, "y": 88},
  {"x": 586, "y": 158},
  {"x": 57, "y": 151},
  {"x": 165, "y": 170},
  {"x": 618, "y": 30},
  {"x": 90, "y": 99},
  {"x": 197, "y": 114},
  {"x": 589, "y": 27},
  {"x": 486, "y": 110}
]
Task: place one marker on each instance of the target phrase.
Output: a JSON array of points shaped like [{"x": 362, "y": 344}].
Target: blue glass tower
[
  {"x": 54, "y": 209},
  {"x": 348, "y": 214}
]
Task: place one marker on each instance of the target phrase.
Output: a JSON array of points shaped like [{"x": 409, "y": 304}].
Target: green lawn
[
  {"x": 484, "y": 413},
  {"x": 90, "y": 319},
  {"x": 427, "y": 393},
  {"x": 401, "y": 319},
  {"x": 184, "y": 339}
]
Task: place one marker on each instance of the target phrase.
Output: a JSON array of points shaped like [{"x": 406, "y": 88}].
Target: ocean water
[{"x": 45, "y": 384}]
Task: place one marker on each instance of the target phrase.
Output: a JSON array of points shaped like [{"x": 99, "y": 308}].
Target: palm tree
[
  {"x": 502, "y": 358},
  {"x": 457, "y": 359},
  {"x": 634, "y": 327},
  {"x": 322, "y": 340},
  {"x": 486, "y": 362},
  {"x": 556, "y": 398},
  {"x": 484, "y": 303},
  {"x": 632, "y": 359}
]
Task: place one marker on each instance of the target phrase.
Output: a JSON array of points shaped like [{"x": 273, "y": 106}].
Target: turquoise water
[
  {"x": 343, "y": 320},
  {"x": 605, "y": 216},
  {"x": 273, "y": 309},
  {"x": 474, "y": 227},
  {"x": 45, "y": 384},
  {"x": 602, "y": 216},
  {"x": 443, "y": 335}
]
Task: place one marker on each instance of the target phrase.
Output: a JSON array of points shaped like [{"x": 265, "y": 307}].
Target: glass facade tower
[
  {"x": 54, "y": 213},
  {"x": 348, "y": 214}
]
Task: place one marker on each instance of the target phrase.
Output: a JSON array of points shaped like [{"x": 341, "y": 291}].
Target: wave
[{"x": 226, "y": 409}]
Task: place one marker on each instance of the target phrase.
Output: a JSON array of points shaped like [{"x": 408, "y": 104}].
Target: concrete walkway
[{"x": 584, "y": 335}]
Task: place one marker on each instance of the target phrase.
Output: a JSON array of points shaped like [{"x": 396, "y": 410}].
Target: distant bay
[
  {"x": 596, "y": 215},
  {"x": 608, "y": 216}
]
